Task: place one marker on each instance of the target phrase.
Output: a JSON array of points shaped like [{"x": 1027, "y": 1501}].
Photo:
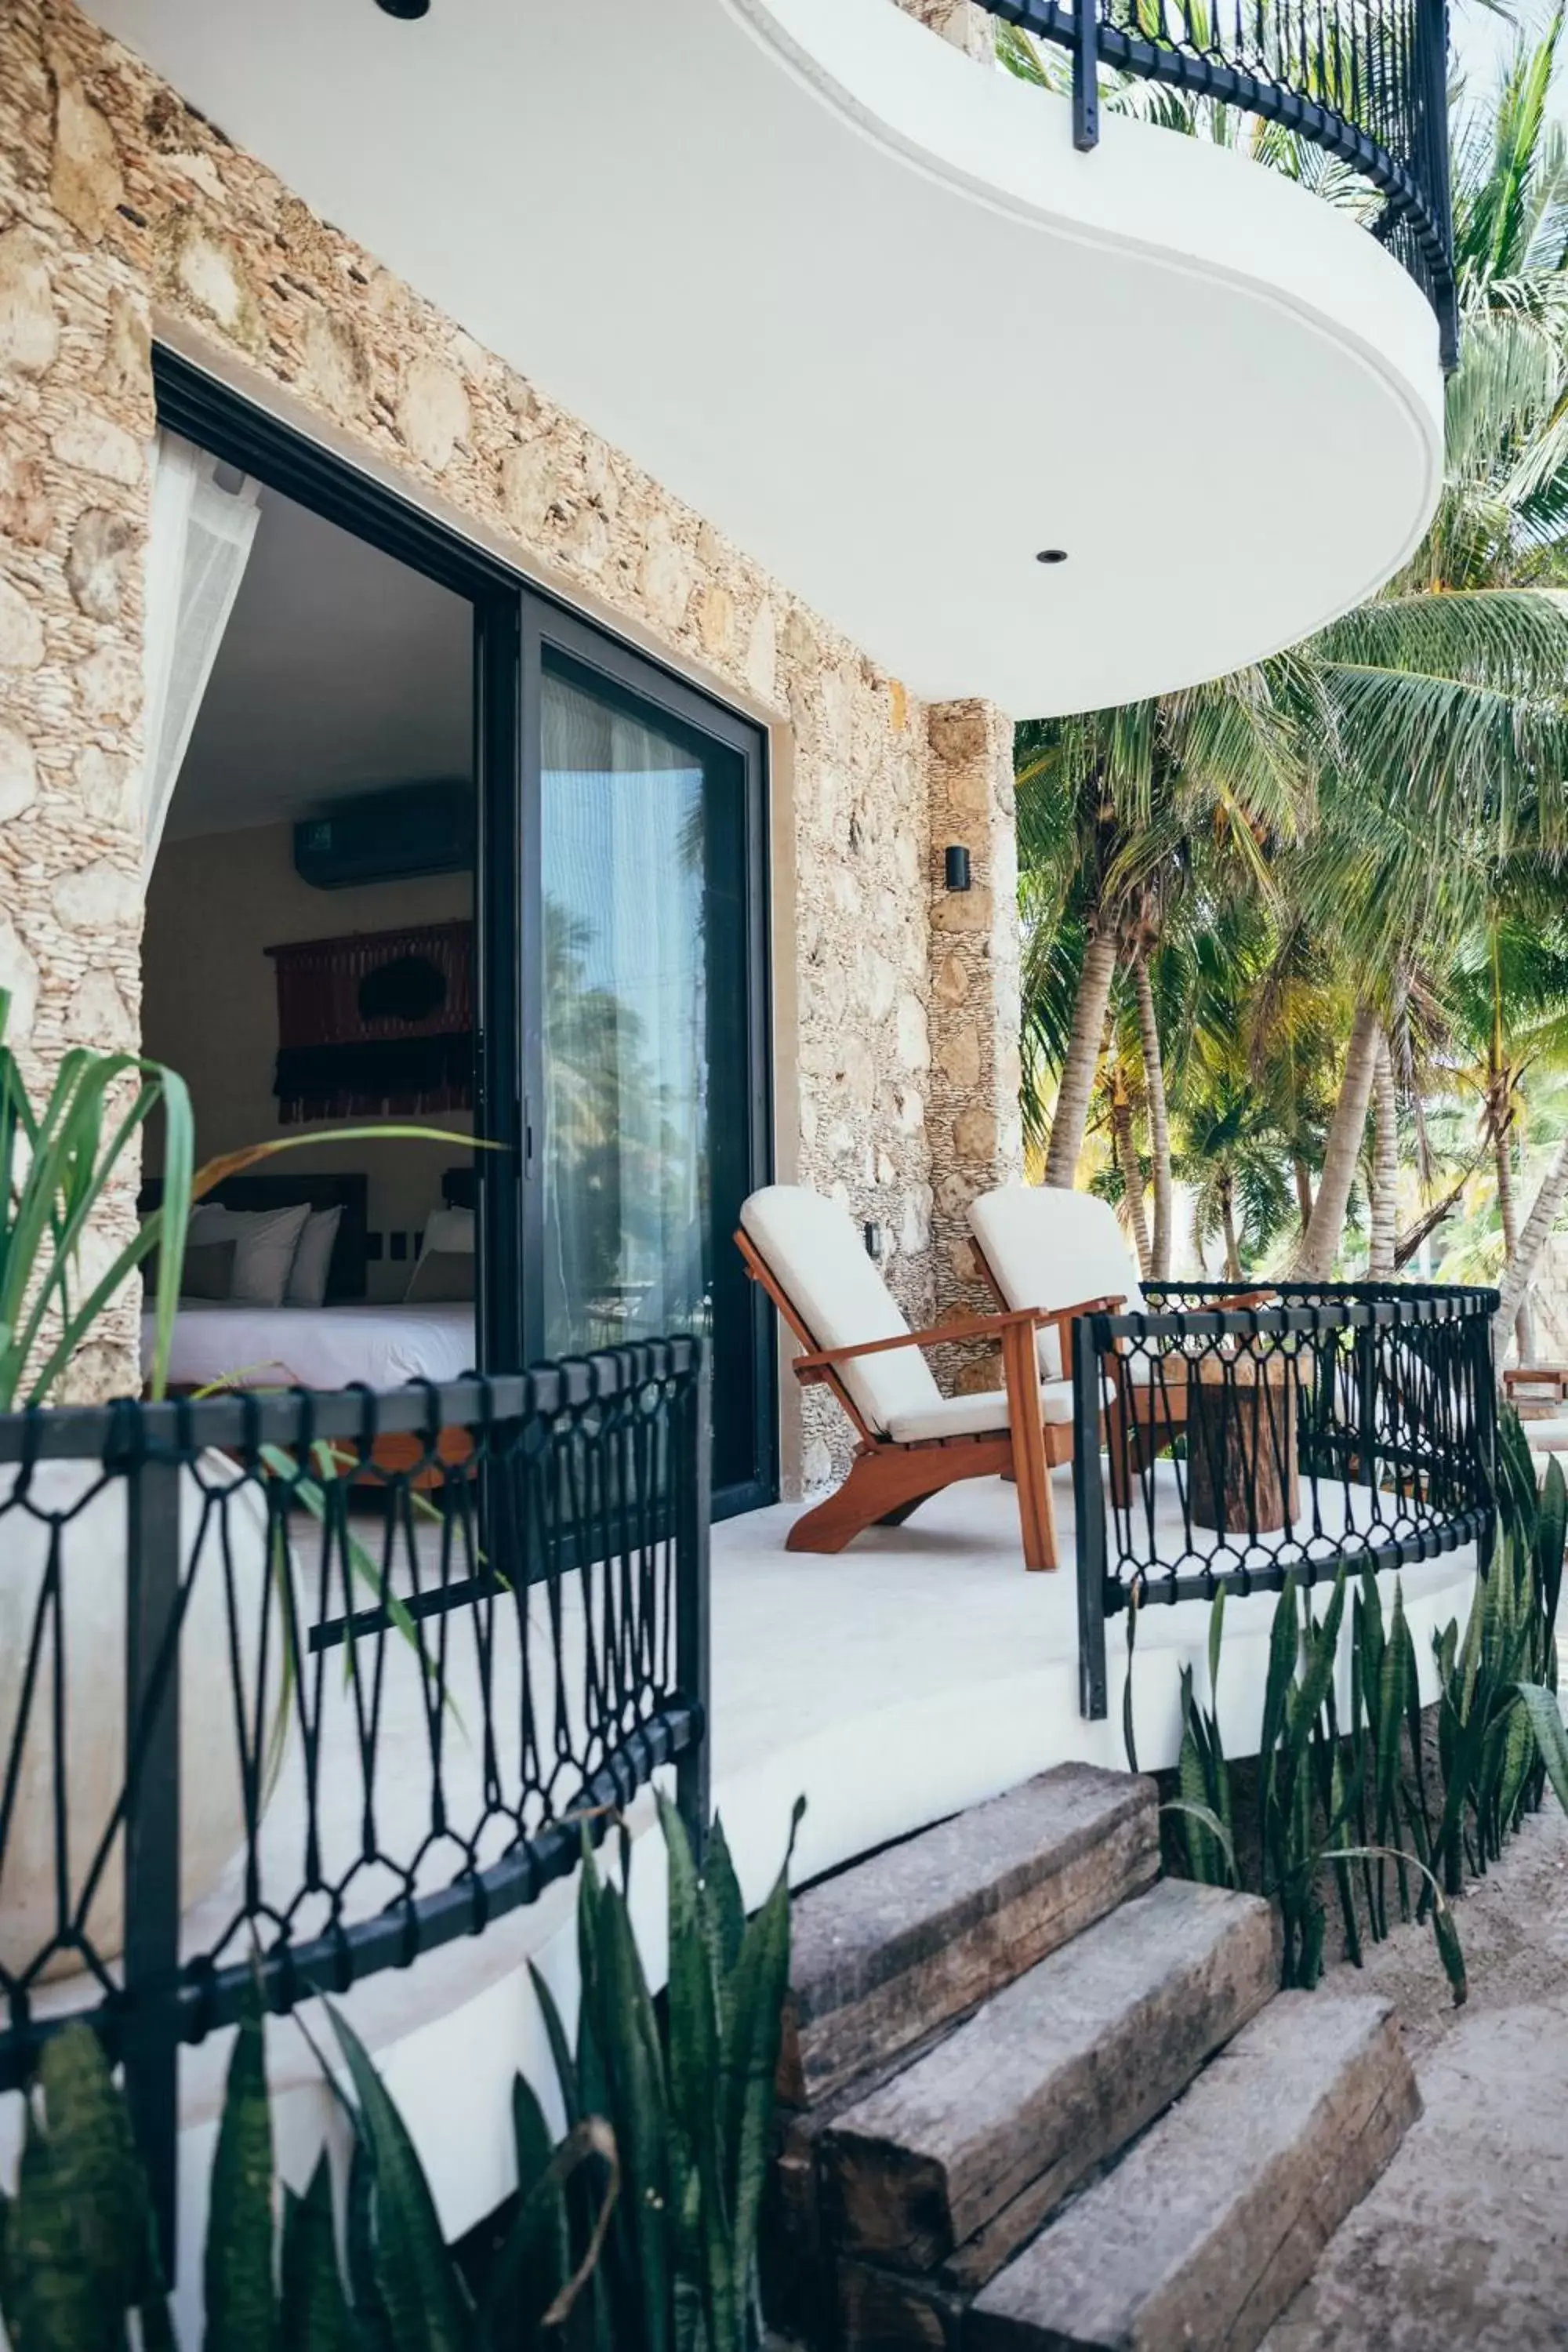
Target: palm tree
[
  {"x": 1374, "y": 777},
  {"x": 1115, "y": 808}
]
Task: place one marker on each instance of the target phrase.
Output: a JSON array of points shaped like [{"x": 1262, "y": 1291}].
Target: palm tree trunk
[
  {"x": 1303, "y": 1175},
  {"x": 1124, "y": 1143},
  {"x": 1508, "y": 1211},
  {"x": 1158, "y": 1122},
  {"x": 1519, "y": 1271},
  {"x": 1070, "y": 1123},
  {"x": 1385, "y": 1218},
  {"x": 1320, "y": 1242},
  {"x": 1232, "y": 1247}
]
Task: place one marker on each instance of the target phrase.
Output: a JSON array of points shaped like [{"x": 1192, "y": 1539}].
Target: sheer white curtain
[{"x": 197, "y": 549}]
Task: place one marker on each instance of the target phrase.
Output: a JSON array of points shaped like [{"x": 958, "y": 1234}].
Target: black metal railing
[
  {"x": 296, "y": 1688},
  {"x": 1228, "y": 1437},
  {"x": 1366, "y": 80}
]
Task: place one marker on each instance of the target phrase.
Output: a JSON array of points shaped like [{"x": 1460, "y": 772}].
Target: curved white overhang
[{"x": 862, "y": 303}]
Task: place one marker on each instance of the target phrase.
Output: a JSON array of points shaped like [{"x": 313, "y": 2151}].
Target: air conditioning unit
[{"x": 388, "y": 837}]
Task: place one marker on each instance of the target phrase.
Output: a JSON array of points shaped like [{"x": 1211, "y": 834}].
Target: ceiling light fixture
[
  {"x": 1052, "y": 555},
  {"x": 403, "y": 7}
]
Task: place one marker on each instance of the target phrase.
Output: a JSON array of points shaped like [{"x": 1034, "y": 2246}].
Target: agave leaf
[
  {"x": 695, "y": 2043},
  {"x": 751, "y": 2053},
  {"x": 1545, "y": 1714},
  {"x": 726, "y": 1912},
  {"x": 370, "y": 2320},
  {"x": 560, "y": 2048},
  {"x": 1445, "y": 1934},
  {"x": 1306, "y": 1703},
  {"x": 1128, "y": 1734},
  {"x": 621, "y": 2075},
  {"x": 1519, "y": 1757},
  {"x": 56, "y": 2302},
  {"x": 427, "y": 2305},
  {"x": 1284, "y": 1647},
  {"x": 1551, "y": 1536},
  {"x": 1213, "y": 1829},
  {"x": 241, "y": 2311},
  {"x": 94, "y": 2155},
  {"x": 315, "y": 2309}
]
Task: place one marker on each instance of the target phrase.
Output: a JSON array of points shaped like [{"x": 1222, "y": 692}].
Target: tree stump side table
[{"x": 1241, "y": 1444}]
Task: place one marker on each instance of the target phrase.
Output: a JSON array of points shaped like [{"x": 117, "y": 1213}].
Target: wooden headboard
[{"x": 276, "y": 1189}]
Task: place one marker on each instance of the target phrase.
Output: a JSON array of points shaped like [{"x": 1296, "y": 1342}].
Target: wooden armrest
[
  {"x": 1060, "y": 1315},
  {"x": 968, "y": 1326}
]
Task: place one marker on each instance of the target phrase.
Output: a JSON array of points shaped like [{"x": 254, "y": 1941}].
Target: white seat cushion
[
  {"x": 974, "y": 1416},
  {"x": 814, "y": 1252},
  {"x": 1051, "y": 1248}
]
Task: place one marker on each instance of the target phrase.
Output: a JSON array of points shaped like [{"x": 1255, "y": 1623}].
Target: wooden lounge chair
[
  {"x": 1038, "y": 1244},
  {"x": 808, "y": 1253}
]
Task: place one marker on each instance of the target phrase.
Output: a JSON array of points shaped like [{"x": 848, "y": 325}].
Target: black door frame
[{"x": 514, "y": 622}]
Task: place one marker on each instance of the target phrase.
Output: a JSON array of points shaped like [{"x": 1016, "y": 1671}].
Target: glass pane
[{"x": 627, "y": 1205}]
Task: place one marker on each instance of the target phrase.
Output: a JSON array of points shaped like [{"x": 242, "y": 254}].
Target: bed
[
  {"x": 223, "y": 1342},
  {"x": 315, "y": 1346}
]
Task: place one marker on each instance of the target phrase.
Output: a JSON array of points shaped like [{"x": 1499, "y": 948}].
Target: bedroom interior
[
  {"x": 308, "y": 955},
  {"x": 425, "y": 846}
]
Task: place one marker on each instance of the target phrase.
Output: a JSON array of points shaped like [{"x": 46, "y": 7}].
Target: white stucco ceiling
[
  {"x": 862, "y": 303},
  {"x": 341, "y": 671}
]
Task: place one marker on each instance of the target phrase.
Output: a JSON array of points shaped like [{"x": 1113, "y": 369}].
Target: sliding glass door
[
  {"x": 650, "y": 1038},
  {"x": 621, "y": 1038}
]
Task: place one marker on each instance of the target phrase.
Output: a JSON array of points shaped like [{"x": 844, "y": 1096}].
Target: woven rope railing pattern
[
  {"x": 296, "y": 1688},
  {"x": 1219, "y": 1442},
  {"x": 1366, "y": 80}
]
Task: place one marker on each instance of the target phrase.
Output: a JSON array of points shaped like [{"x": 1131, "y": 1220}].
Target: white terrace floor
[{"x": 913, "y": 1674}]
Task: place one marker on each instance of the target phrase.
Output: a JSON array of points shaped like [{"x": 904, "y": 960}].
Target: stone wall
[
  {"x": 977, "y": 1129},
  {"x": 968, "y": 27},
  {"x": 119, "y": 204}
]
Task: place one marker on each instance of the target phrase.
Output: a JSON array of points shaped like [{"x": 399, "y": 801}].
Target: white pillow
[
  {"x": 450, "y": 1229},
  {"x": 313, "y": 1259},
  {"x": 264, "y": 1243}
]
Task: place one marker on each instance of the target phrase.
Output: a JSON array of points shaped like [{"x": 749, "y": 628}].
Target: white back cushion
[
  {"x": 1051, "y": 1248},
  {"x": 815, "y": 1252}
]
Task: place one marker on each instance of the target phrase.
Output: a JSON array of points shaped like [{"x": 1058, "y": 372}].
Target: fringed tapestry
[{"x": 378, "y": 1024}]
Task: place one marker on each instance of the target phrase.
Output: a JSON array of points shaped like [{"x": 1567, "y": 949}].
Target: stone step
[
  {"x": 1205, "y": 2230},
  {"x": 992, "y": 2126},
  {"x": 898, "y": 1945}
]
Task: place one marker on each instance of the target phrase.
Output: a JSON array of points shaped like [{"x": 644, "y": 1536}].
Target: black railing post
[
  {"x": 1432, "y": 75},
  {"x": 693, "y": 1645},
  {"x": 151, "y": 2045},
  {"x": 1366, "y": 1403},
  {"x": 1089, "y": 1512},
  {"x": 1086, "y": 77}
]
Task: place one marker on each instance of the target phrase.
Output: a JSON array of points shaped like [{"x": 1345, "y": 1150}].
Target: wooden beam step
[
  {"x": 992, "y": 2126},
  {"x": 1208, "y": 2227},
  {"x": 898, "y": 1945}
]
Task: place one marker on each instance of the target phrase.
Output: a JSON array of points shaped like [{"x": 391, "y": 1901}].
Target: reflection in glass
[{"x": 627, "y": 1224}]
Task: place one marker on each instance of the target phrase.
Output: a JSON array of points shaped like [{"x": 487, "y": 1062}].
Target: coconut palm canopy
[{"x": 1331, "y": 887}]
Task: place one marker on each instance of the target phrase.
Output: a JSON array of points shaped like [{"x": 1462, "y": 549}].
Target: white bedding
[{"x": 315, "y": 1346}]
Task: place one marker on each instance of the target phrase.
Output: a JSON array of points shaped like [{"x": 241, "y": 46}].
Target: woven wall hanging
[{"x": 376, "y": 1025}]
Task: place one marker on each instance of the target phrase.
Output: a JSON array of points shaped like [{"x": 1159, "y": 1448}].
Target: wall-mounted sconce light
[
  {"x": 957, "y": 866},
  {"x": 875, "y": 1244}
]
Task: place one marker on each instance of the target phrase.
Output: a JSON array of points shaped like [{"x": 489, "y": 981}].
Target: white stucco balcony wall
[{"x": 861, "y": 302}]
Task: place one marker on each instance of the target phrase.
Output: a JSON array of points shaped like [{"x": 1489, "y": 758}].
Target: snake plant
[
  {"x": 689, "y": 2096},
  {"x": 79, "y": 2262}
]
